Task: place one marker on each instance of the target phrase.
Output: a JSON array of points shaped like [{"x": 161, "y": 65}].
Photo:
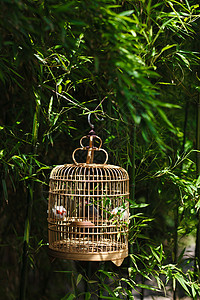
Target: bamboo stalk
[
  {"x": 132, "y": 177},
  {"x": 30, "y": 191},
  {"x": 23, "y": 280},
  {"x": 198, "y": 137},
  {"x": 132, "y": 185},
  {"x": 197, "y": 247},
  {"x": 175, "y": 250},
  {"x": 109, "y": 123},
  {"x": 88, "y": 272},
  {"x": 101, "y": 267},
  {"x": 176, "y": 210}
]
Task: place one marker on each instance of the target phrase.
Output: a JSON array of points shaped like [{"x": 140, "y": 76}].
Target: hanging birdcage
[{"x": 88, "y": 211}]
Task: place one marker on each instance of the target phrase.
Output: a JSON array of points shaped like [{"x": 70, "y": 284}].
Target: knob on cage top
[{"x": 88, "y": 210}]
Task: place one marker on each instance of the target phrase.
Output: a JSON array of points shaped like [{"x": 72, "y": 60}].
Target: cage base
[{"x": 116, "y": 257}]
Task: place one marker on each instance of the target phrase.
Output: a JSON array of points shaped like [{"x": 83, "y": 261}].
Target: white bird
[
  {"x": 59, "y": 211},
  {"x": 121, "y": 212}
]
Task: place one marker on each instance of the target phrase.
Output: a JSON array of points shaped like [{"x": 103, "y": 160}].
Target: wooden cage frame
[{"x": 88, "y": 210}]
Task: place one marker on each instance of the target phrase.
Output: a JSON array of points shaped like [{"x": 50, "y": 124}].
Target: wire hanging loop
[
  {"x": 89, "y": 121},
  {"x": 91, "y": 148}
]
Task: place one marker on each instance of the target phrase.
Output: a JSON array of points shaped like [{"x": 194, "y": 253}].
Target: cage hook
[
  {"x": 102, "y": 119},
  {"x": 89, "y": 121}
]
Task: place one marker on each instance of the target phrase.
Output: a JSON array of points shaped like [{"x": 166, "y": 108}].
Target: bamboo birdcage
[{"x": 88, "y": 211}]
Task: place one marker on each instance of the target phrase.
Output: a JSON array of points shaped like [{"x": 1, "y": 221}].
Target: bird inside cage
[
  {"x": 59, "y": 212},
  {"x": 120, "y": 213},
  {"x": 86, "y": 209},
  {"x": 91, "y": 211}
]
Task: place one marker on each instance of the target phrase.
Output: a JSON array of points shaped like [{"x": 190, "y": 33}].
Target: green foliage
[{"x": 130, "y": 62}]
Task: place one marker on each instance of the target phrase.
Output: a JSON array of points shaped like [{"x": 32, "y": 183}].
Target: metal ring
[
  {"x": 106, "y": 155},
  {"x": 84, "y": 137},
  {"x": 96, "y": 137},
  {"x": 98, "y": 149},
  {"x": 74, "y": 154}
]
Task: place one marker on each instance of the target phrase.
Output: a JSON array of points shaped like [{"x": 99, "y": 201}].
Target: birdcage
[{"x": 88, "y": 211}]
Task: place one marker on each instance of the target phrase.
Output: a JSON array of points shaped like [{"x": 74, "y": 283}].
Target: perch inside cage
[{"x": 88, "y": 212}]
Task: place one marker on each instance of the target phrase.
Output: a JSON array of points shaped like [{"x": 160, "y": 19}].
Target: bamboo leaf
[
  {"x": 50, "y": 107},
  {"x": 184, "y": 59},
  {"x": 109, "y": 298},
  {"x": 198, "y": 181},
  {"x": 108, "y": 274},
  {"x": 164, "y": 49},
  {"x": 108, "y": 289},
  {"x": 126, "y": 13},
  {"x": 164, "y": 117},
  {"x": 194, "y": 293},
  {"x": 87, "y": 296},
  {"x": 147, "y": 287},
  {"x": 62, "y": 8},
  {"x": 5, "y": 192},
  {"x": 69, "y": 296},
  {"x": 182, "y": 282},
  {"x": 79, "y": 277},
  {"x": 155, "y": 254}
]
